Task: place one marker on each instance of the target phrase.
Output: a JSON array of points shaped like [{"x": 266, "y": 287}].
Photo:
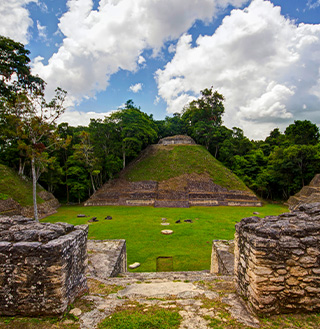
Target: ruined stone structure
[
  {"x": 178, "y": 139},
  {"x": 182, "y": 191},
  {"x": 107, "y": 258},
  {"x": 197, "y": 191},
  {"x": 42, "y": 266},
  {"x": 11, "y": 207},
  {"x": 277, "y": 261},
  {"x": 308, "y": 194},
  {"x": 222, "y": 257}
]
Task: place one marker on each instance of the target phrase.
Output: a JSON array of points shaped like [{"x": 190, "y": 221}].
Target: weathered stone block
[
  {"x": 277, "y": 263},
  {"x": 42, "y": 267},
  {"x": 222, "y": 257}
]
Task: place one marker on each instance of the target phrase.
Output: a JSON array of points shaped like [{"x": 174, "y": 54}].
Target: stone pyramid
[{"x": 183, "y": 190}]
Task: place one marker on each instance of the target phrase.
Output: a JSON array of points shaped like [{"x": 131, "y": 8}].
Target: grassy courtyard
[{"x": 189, "y": 245}]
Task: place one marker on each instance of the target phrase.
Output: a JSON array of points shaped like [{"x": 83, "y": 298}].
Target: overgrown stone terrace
[
  {"x": 277, "y": 261},
  {"x": 183, "y": 191},
  {"x": 42, "y": 266},
  {"x": 308, "y": 194}
]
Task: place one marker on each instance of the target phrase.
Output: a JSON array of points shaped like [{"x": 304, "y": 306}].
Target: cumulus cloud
[
  {"x": 79, "y": 118},
  {"x": 265, "y": 65},
  {"x": 136, "y": 88},
  {"x": 98, "y": 43},
  {"x": 15, "y": 19}
]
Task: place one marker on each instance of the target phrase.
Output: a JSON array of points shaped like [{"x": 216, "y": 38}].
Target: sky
[{"x": 263, "y": 56}]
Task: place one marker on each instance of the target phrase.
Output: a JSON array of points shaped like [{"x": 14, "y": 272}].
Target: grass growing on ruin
[
  {"x": 13, "y": 186},
  {"x": 162, "y": 163},
  {"x": 142, "y": 317},
  {"x": 190, "y": 244}
]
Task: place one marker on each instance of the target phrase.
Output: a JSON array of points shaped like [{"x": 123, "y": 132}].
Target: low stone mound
[{"x": 308, "y": 194}]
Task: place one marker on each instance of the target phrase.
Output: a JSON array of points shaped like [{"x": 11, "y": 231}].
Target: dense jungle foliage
[{"x": 72, "y": 162}]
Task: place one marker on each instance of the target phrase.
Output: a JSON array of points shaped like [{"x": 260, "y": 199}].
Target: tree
[
  {"x": 302, "y": 133},
  {"x": 36, "y": 130},
  {"x": 203, "y": 117},
  {"x": 134, "y": 128},
  {"x": 25, "y": 116},
  {"x": 84, "y": 154},
  {"x": 14, "y": 61}
]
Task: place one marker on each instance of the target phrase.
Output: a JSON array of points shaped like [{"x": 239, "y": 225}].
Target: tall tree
[
  {"x": 203, "y": 117},
  {"x": 36, "y": 130},
  {"x": 302, "y": 133},
  {"x": 135, "y": 130}
]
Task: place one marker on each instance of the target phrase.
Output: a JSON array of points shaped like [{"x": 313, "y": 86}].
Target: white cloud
[
  {"x": 79, "y": 118},
  {"x": 43, "y": 7},
  {"x": 312, "y": 4},
  {"x": 42, "y": 31},
  {"x": 136, "y": 88},
  {"x": 266, "y": 67},
  {"x": 156, "y": 100},
  {"x": 98, "y": 43},
  {"x": 15, "y": 19},
  {"x": 141, "y": 60}
]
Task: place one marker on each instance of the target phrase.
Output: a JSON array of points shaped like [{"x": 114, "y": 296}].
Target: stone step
[
  {"x": 178, "y": 276},
  {"x": 171, "y": 203},
  {"x": 107, "y": 258}
]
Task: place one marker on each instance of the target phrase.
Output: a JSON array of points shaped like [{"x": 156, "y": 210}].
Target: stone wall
[
  {"x": 178, "y": 139},
  {"x": 42, "y": 266},
  {"x": 277, "y": 261},
  {"x": 107, "y": 258},
  {"x": 222, "y": 257}
]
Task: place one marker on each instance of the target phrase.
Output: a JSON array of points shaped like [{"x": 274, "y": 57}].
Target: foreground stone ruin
[
  {"x": 107, "y": 258},
  {"x": 42, "y": 266},
  {"x": 222, "y": 257},
  {"x": 277, "y": 261}
]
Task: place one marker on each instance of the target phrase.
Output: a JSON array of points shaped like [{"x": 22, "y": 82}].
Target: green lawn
[{"x": 189, "y": 245}]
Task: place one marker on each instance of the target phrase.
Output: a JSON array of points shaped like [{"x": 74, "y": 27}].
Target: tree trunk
[
  {"x": 124, "y": 158},
  {"x": 92, "y": 182},
  {"x": 34, "y": 190},
  {"x": 21, "y": 167}
]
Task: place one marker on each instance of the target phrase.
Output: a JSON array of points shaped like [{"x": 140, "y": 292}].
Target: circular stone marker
[
  {"x": 166, "y": 232},
  {"x": 165, "y": 224},
  {"x": 134, "y": 265}
]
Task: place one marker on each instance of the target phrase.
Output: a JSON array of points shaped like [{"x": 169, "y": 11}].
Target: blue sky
[{"x": 263, "y": 56}]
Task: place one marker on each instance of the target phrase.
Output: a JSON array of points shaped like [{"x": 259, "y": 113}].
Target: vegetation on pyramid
[
  {"x": 175, "y": 173},
  {"x": 16, "y": 196}
]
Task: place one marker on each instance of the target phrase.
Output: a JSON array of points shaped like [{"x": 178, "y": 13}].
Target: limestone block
[
  {"x": 42, "y": 275},
  {"x": 222, "y": 257},
  {"x": 277, "y": 264}
]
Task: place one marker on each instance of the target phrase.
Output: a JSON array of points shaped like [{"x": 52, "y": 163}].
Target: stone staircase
[
  {"x": 150, "y": 193},
  {"x": 308, "y": 194}
]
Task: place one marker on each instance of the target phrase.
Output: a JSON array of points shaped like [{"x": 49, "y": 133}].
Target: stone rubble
[{"x": 182, "y": 291}]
